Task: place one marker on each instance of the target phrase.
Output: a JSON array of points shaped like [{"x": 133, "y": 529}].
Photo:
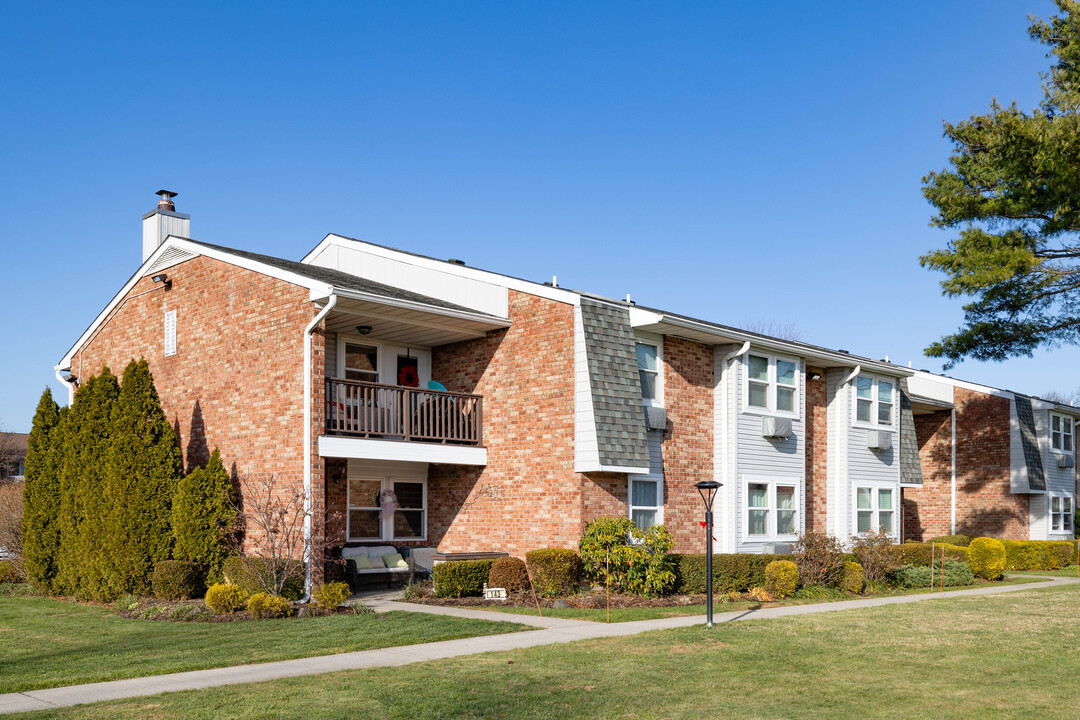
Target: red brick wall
[
  {"x": 817, "y": 406},
  {"x": 984, "y": 504},
  {"x": 926, "y": 511},
  {"x": 236, "y": 380},
  {"x": 688, "y": 443}
]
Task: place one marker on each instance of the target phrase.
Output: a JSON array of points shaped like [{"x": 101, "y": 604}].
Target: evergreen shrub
[
  {"x": 1039, "y": 554},
  {"x": 203, "y": 515},
  {"x": 957, "y": 574},
  {"x": 920, "y": 554},
  {"x": 555, "y": 572},
  {"x": 959, "y": 540},
  {"x": 461, "y": 578},
  {"x": 986, "y": 558},
  {"x": 509, "y": 573},
  {"x": 854, "y": 578},
  {"x": 223, "y": 599},
  {"x": 256, "y": 574},
  {"x": 736, "y": 572},
  {"x": 41, "y": 494},
  {"x": 781, "y": 578},
  {"x": 263, "y": 606},
  {"x": 178, "y": 580},
  {"x": 616, "y": 552},
  {"x": 330, "y": 596}
]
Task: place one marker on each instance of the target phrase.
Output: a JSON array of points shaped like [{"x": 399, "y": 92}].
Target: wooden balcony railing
[{"x": 368, "y": 409}]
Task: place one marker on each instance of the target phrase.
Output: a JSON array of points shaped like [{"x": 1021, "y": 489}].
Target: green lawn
[
  {"x": 1005, "y": 656},
  {"x": 631, "y": 614},
  {"x": 1069, "y": 572},
  {"x": 46, "y": 643}
]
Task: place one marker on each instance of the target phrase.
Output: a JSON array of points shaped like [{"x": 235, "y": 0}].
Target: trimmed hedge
[
  {"x": 460, "y": 578},
  {"x": 177, "y": 580},
  {"x": 919, "y": 554},
  {"x": 555, "y": 571},
  {"x": 731, "y": 572},
  {"x": 957, "y": 574},
  {"x": 986, "y": 558},
  {"x": 509, "y": 573},
  {"x": 245, "y": 571},
  {"x": 1039, "y": 554},
  {"x": 959, "y": 540}
]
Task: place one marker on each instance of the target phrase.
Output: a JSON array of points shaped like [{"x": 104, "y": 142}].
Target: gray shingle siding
[
  {"x": 616, "y": 390},
  {"x": 910, "y": 467},
  {"x": 1029, "y": 440}
]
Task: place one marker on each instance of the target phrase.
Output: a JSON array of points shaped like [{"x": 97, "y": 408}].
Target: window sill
[
  {"x": 868, "y": 426},
  {"x": 769, "y": 538},
  {"x": 763, "y": 412}
]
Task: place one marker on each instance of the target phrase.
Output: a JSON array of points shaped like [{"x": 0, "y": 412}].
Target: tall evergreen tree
[
  {"x": 41, "y": 496},
  {"x": 83, "y": 509},
  {"x": 202, "y": 516},
  {"x": 144, "y": 465}
]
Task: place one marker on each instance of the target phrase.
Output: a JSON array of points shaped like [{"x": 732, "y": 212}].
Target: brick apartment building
[{"x": 429, "y": 403}]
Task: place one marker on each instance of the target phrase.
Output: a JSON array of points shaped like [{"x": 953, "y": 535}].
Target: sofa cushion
[
  {"x": 362, "y": 562},
  {"x": 377, "y": 563},
  {"x": 380, "y": 550},
  {"x": 394, "y": 560},
  {"x": 353, "y": 552}
]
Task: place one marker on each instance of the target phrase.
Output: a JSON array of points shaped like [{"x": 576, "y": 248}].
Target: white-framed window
[
  {"x": 646, "y": 504},
  {"x": 771, "y": 510},
  {"x": 875, "y": 401},
  {"x": 361, "y": 361},
  {"x": 649, "y": 359},
  {"x": 772, "y": 384},
  {"x": 170, "y": 333},
  {"x": 875, "y": 509},
  {"x": 1061, "y": 513},
  {"x": 1061, "y": 433},
  {"x": 367, "y": 519}
]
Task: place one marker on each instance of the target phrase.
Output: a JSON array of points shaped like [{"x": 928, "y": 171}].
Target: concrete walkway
[{"x": 554, "y": 630}]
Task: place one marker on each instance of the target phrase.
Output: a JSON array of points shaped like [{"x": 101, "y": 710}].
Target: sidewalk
[{"x": 553, "y": 631}]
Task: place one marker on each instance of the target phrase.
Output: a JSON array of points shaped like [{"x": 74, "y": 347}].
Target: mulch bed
[
  {"x": 593, "y": 600},
  {"x": 168, "y": 608}
]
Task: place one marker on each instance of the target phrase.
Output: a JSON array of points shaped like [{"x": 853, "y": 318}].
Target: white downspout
[
  {"x": 307, "y": 443},
  {"x": 66, "y": 383},
  {"x": 952, "y": 472},
  {"x": 854, "y": 374}
]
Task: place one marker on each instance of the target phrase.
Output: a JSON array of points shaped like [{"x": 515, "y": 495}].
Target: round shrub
[
  {"x": 986, "y": 558},
  {"x": 781, "y": 578},
  {"x": 854, "y": 578},
  {"x": 177, "y": 580},
  {"x": 461, "y": 578},
  {"x": 263, "y": 606},
  {"x": 222, "y": 599},
  {"x": 331, "y": 595},
  {"x": 259, "y": 574},
  {"x": 554, "y": 571},
  {"x": 509, "y": 573}
]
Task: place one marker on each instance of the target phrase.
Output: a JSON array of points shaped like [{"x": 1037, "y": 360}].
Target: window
[
  {"x": 874, "y": 400},
  {"x": 1061, "y": 513},
  {"x": 771, "y": 509},
  {"x": 367, "y": 519},
  {"x": 772, "y": 384},
  {"x": 170, "y": 333},
  {"x": 361, "y": 362},
  {"x": 874, "y": 509},
  {"x": 1061, "y": 433},
  {"x": 648, "y": 363},
  {"x": 645, "y": 503}
]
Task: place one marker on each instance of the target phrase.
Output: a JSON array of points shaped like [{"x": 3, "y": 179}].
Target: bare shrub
[
  {"x": 11, "y": 514},
  {"x": 819, "y": 557},
  {"x": 875, "y": 553}
]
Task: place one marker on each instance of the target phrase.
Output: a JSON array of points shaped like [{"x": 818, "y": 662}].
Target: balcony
[{"x": 393, "y": 412}]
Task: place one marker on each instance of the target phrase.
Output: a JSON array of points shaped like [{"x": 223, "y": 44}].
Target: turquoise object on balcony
[{"x": 433, "y": 385}]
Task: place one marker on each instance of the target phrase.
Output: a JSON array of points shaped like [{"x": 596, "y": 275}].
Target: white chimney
[{"x": 162, "y": 222}]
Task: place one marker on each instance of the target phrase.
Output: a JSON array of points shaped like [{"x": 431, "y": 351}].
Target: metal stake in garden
[{"x": 708, "y": 489}]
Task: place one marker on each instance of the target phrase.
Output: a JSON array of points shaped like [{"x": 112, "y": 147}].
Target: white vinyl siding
[
  {"x": 646, "y": 492},
  {"x": 772, "y": 384},
  {"x": 1060, "y": 482}
]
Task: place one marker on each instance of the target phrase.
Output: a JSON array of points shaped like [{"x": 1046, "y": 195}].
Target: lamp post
[{"x": 708, "y": 489}]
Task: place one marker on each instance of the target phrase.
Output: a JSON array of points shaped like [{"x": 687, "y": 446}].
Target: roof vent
[
  {"x": 166, "y": 203},
  {"x": 844, "y": 351},
  {"x": 455, "y": 261}
]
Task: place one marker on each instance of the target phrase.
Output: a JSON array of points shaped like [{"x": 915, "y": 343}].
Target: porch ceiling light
[{"x": 363, "y": 329}]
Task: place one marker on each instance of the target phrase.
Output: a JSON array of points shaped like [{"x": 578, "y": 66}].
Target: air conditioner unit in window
[
  {"x": 775, "y": 427},
  {"x": 878, "y": 439},
  {"x": 1064, "y": 461}
]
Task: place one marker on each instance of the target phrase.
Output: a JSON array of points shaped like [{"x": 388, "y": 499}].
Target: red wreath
[{"x": 408, "y": 377}]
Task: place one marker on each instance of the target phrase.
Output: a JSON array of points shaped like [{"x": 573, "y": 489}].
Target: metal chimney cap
[{"x": 166, "y": 203}]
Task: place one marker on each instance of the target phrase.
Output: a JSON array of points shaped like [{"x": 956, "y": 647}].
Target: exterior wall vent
[
  {"x": 1063, "y": 461},
  {"x": 172, "y": 256},
  {"x": 878, "y": 439},
  {"x": 775, "y": 427}
]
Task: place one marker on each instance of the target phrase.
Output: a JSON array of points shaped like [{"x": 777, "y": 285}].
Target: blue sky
[{"x": 738, "y": 162}]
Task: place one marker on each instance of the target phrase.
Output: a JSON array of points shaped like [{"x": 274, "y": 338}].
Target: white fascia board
[
  {"x": 318, "y": 290},
  {"x": 974, "y": 387},
  {"x": 526, "y": 286},
  {"x": 394, "y": 450},
  {"x": 781, "y": 346},
  {"x": 423, "y": 307},
  {"x": 1040, "y": 404},
  {"x": 596, "y": 467}
]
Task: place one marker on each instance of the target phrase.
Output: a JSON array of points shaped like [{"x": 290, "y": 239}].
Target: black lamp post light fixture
[{"x": 708, "y": 489}]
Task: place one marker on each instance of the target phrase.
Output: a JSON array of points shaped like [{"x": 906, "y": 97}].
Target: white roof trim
[
  {"x": 433, "y": 309},
  {"x": 526, "y": 286}
]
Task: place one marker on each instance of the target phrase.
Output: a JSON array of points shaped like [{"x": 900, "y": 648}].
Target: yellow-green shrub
[
  {"x": 854, "y": 578},
  {"x": 781, "y": 578},
  {"x": 263, "y": 606},
  {"x": 986, "y": 558},
  {"x": 221, "y": 598},
  {"x": 329, "y": 596},
  {"x": 1038, "y": 554}
]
